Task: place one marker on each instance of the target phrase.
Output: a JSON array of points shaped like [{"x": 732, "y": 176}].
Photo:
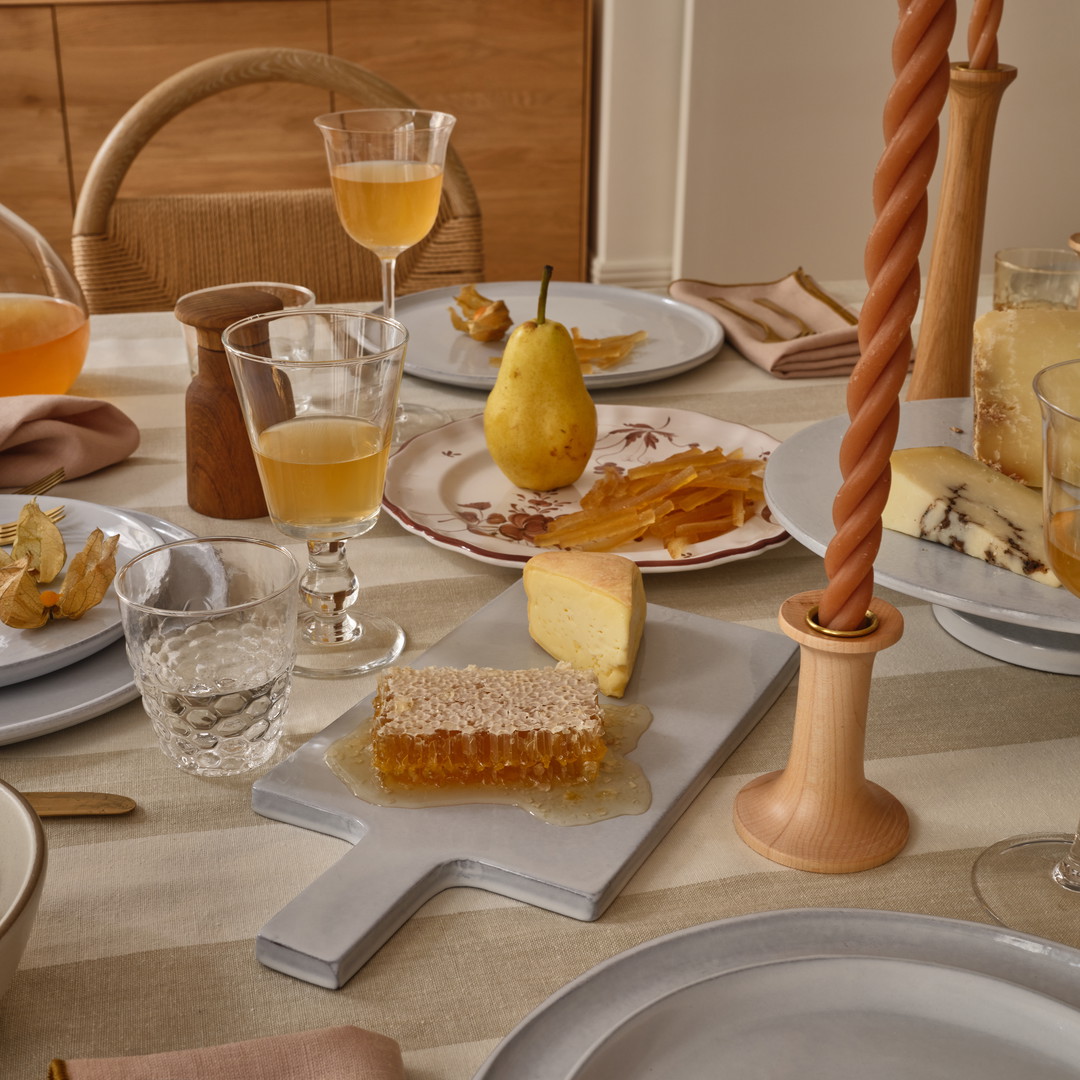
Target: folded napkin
[
  {"x": 338, "y": 1053},
  {"x": 41, "y": 432},
  {"x": 831, "y": 349}
]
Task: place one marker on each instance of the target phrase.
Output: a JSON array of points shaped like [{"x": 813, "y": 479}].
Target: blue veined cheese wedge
[
  {"x": 1010, "y": 348},
  {"x": 940, "y": 493},
  {"x": 587, "y": 608}
]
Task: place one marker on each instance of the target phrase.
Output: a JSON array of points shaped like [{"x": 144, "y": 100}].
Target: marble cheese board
[{"x": 707, "y": 683}]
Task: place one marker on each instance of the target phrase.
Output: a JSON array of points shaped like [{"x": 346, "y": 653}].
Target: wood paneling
[
  {"x": 253, "y": 137},
  {"x": 34, "y": 179},
  {"x": 516, "y": 74}
]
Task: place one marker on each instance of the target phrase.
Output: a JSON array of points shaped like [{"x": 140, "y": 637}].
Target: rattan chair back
[{"x": 142, "y": 254}]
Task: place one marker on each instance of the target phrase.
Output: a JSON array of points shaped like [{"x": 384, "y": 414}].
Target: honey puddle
[{"x": 620, "y": 787}]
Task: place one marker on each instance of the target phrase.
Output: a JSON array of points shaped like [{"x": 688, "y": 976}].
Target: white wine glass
[
  {"x": 318, "y": 388},
  {"x": 386, "y": 170},
  {"x": 1032, "y": 883}
]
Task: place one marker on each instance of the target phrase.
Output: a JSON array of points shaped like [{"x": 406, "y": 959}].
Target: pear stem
[{"x": 541, "y": 307}]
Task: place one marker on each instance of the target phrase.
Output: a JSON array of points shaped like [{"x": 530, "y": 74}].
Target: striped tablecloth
[{"x": 145, "y": 937}]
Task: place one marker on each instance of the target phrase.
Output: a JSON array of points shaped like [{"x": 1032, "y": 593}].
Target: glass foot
[
  {"x": 358, "y": 644},
  {"x": 1014, "y": 881},
  {"x": 412, "y": 420}
]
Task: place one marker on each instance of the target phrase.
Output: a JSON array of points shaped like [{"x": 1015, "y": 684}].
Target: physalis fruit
[
  {"x": 485, "y": 320},
  {"x": 37, "y": 557}
]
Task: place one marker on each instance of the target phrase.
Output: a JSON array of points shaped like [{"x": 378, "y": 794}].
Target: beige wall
[{"x": 737, "y": 140}]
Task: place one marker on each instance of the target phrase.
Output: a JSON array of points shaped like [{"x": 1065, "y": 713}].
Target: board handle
[{"x": 344, "y": 916}]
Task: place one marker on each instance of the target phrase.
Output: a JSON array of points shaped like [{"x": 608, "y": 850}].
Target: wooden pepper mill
[{"x": 222, "y": 479}]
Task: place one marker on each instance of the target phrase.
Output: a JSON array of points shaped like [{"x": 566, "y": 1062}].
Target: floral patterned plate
[{"x": 443, "y": 486}]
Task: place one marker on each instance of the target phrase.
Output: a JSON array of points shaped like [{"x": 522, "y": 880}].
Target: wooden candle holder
[
  {"x": 943, "y": 357},
  {"x": 820, "y": 813}
]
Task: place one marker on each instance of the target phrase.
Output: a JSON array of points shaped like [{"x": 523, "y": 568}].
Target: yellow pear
[{"x": 539, "y": 421}]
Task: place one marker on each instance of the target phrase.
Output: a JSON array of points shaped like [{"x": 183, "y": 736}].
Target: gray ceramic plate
[
  {"x": 832, "y": 993},
  {"x": 680, "y": 337},
  {"x": 803, "y": 475},
  {"x": 994, "y": 611}
]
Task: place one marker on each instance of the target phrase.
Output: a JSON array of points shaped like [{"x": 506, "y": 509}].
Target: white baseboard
[{"x": 631, "y": 273}]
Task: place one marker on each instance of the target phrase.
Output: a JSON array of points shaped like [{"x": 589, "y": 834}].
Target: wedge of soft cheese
[
  {"x": 587, "y": 608},
  {"x": 1010, "y": 348},
  {"x": 940, "y": 493}
]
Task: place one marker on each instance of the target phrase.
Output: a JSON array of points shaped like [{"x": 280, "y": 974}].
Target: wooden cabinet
[{"x": 516, "y": 73}]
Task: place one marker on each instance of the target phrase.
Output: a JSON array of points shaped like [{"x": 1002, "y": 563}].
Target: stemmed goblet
[
  {"x": 318, "y": 389},
  {"x": 386, "y": 169},
  {"x": 1032, "y": 883}
]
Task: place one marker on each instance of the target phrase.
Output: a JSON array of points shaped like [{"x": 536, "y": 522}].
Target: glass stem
[
  {"x": 388, "y": 268},
  {"x": 1067, "y": 872},
  {"x": 327, "y": 589}
]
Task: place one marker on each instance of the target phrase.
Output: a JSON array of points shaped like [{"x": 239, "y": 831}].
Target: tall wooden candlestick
[
  {"x": 943, "y": 358},
  {"x": 820, "y": 813}
]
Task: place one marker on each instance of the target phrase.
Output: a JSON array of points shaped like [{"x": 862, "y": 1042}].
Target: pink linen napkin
[
  {"x": 41, "y": 432},
  {"x": 832, "y": 348},
  {"x": 337, "y": 1053}
]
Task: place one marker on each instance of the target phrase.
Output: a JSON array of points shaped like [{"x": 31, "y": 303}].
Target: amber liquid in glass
[
  {"x": 387, "y": 206},
  {"x": 322, "y": 471},
  {"x": 1063, "y": 546},
  {"x": 43, "y": 344}
]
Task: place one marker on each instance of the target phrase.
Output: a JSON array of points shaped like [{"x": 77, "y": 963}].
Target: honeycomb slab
[{"x": 441, "y": 726}]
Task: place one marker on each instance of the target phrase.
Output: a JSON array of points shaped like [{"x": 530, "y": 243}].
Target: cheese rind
[
  {"x": 587, "y": 608},
  {"x": 940, "y": 493},
  {"x": 1010, "y": 347}
]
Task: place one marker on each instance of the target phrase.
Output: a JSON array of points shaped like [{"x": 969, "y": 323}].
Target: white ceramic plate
[
  {"x": 28, "y": 654},
  {"x": 84, "y": 689},
  {"x": 443, "y": 486},
  {"x": 803, "y": 476},
  {"x": 788, "y": 994},
  {"x": 680, "y": 336}
]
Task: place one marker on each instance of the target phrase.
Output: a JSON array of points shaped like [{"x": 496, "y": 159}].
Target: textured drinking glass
[
  {"x": 318, "y": 389},
  {"x": 210, "y": 629},
  {"x": 386, "y": 169},
  {"x": 1032, "y": 883},
  {"x": 1036, "y": 278},
  {"x": 291, "y": 296}
]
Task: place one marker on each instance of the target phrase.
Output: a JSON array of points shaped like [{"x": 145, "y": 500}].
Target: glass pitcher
[{"x": 44, "y": 328}]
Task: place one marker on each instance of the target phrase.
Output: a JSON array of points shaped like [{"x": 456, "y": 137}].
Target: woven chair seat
[{"x": 290, "y": 236}]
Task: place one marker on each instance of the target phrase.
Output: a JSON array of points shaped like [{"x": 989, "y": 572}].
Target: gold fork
[
  {"x": 7, "y": 530},
  {"x": 45, "y": 483}
]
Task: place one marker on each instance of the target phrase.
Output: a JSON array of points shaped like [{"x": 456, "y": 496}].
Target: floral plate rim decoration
[{"x": 443, "y": 486}]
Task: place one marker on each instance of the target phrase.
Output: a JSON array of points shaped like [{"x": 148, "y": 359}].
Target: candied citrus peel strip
[{"x": 691, "y": 496}]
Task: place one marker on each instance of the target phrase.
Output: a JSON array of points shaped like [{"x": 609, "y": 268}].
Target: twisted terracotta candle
[
  {"x": 982, "y": 34},
  {"x": 921, "y": 66}
]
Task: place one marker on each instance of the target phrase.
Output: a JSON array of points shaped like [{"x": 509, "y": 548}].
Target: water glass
[
  {"x": 210, "y": 628},
  {"x": 1036, "y": 278}
]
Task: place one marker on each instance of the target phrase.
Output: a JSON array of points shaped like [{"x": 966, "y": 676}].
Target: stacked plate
[{"x": 71, "y": 671}]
